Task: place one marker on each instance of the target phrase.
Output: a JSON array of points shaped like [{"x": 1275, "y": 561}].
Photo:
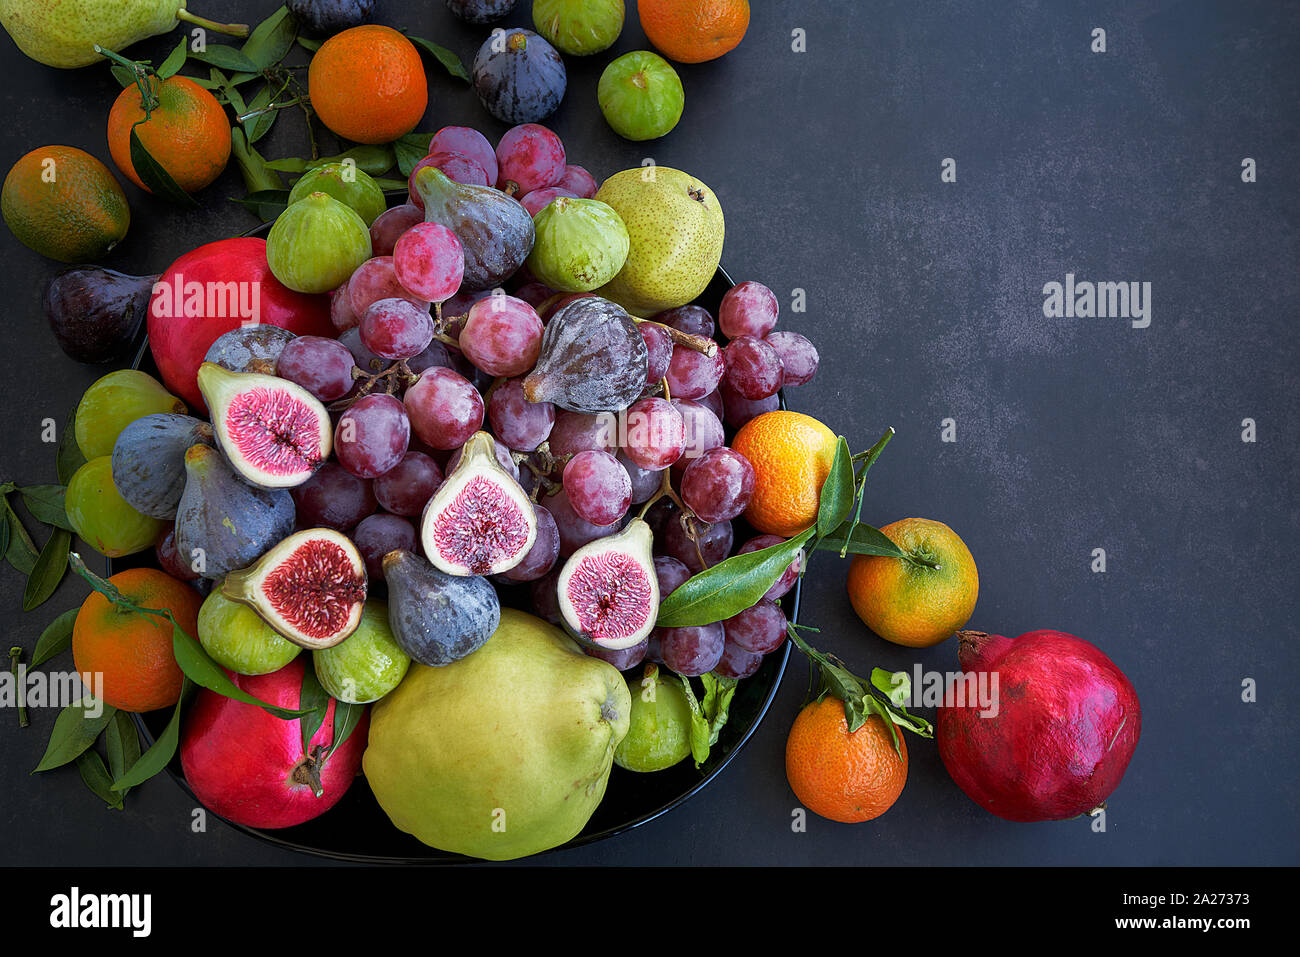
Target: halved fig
[
  {"x": 311, "y": 588},
  {"x": 480, "y": 522},
  {"x": 437, "y": 618},
  {"x": 608, "y": 590},
  {"x": 275, "y": 433}
]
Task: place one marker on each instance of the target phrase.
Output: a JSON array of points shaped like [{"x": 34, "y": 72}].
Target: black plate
[{"x": 357, "y": 829}]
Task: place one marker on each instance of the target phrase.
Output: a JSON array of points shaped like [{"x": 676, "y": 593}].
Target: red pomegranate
[
  {"x": 249, "y": 766},
  {"x": 216, "y": 288},
  {"x": 1065, "y": 724}
]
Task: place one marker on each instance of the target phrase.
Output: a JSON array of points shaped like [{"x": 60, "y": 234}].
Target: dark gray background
[{"x": 925, "y": 299}]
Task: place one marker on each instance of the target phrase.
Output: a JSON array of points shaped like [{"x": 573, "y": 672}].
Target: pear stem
[{"x": 229, "y": 29}]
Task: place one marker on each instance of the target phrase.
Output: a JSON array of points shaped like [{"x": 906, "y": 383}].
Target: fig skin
[
  {"x": 580, "y": 245},
  {"x": 1067, "y": 724},
  {"x": 593, "y": 359},
  {"x": 437, "y": 618},
  {"x": 229, "y": 521},
  {"x": 149, "y": 461}
]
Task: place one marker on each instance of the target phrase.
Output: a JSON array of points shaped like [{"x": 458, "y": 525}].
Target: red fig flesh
[
  {"x": 250, "y": 767},
  {"x": 1054, "y": 744}
]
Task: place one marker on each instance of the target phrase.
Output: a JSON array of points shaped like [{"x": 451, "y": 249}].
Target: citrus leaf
[
  {"x": 699, "y": 724},
  {"x": 370, "y": 159},
  {"x": 96, "y": 777},
  {"x": 410, "y": 149},
  {"x": 271, "y": 39},
  {"x": 21, "y": 553},
  {"x": 262, "y": 199},
  {"x": 837, "y": 492},
  {"x": 862, "y": 540},
  {"x": 311, "y": 46},
  {"x": 346, "y": 718},
  {"x": 730, "y": 586},
  {"x": 868, "y": 459},
  {"x": 157, "y": 179},
  {"x": 51, "y": 565},
  {"x": 175, "y": 60},
  {"x": 122, "y": 75},
  {"x": 5, "y": 533},
  {"x": 718, "y": 692},
  {"x": 226, "y": 58},
  {"x": 895, "y": 685},
  {"x": 450, "y": 62},
  {"x": 56, "y": 638},
  {"x": 122, "y": 742},
  {"x": 160, "y": 752},
  {"x": 46, "y": 503},
  {"x": 315, "y": 701},
  {"x": 74, "y": 731},
  {"x": 69, "y": 458},
  {"x": 258, "y": 126}
]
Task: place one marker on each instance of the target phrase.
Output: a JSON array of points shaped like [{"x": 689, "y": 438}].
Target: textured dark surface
[{"x": 925, "y": 299}]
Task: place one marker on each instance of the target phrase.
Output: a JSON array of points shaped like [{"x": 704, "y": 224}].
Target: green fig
[
  {"x": 581, "y": 244},
  {"x": 317, "y": 243},
  {"x": 346, "y": 182},
  {"x": 65, "y": 34}
]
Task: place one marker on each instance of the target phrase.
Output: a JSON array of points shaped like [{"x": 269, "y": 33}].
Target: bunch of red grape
[{"x": 437, "y": 364}]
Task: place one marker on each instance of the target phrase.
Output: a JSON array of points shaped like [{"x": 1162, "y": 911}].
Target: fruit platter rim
[{"x": 436, "y": 856}]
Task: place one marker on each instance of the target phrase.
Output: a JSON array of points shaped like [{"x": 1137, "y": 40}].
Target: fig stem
[
  {"x": 229, "y": 29},
  {"x": 15, "y": 659},
  {"x": 687, "y": 339}
]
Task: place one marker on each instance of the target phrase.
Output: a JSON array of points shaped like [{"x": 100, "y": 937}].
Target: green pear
[
  {"x": 675, "y": 226},
  {"x": 63, "y": 33},
  {"x": 503, "y": 753}
]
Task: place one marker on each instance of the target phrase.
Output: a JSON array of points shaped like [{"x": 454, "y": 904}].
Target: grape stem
[
  {"x": 687, "y": 339},
  {"x": 395, "y": 376}
]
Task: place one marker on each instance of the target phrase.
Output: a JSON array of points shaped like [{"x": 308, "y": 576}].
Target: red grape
[
  {"x": 759, "y": 629},
  {"x": 672, "y": 574},
  {"x": 445, "y": 409},
  {"x": 576, "y": 432},
  {"x": 520, "y": 424},
  {"x": 645, "y": 482},
  {"x": 739, "y": 410},
  {"x": 748, "y": 309},
  {"x": 656, "y": 433},
  {"x": 380, "y": 534},
  {"x": 457, "y": 167},
  {"x": 390, "y": 224},
  {"x": 703, "y": 431},
  {"x": 541, "y": 558},
  {"x": 429, "y": 261},
  {"x": 659, "y": 351},
  {"x": 502, "y": 336},
  {"x": 799, "y": 359},
  {"x": 718, "y": 485},
  {"x": 321, "y": 366},
  {"x": 342, "y": 314},
  {"x": 753, "y": 367},
  {"x": 736, "y": 662},
  {"x": 621, "y": 658},
  {"x": 574, "y": 530},
  {"x": 470, "y": 142},
  {"x": 333, "y": 498},
  {"x": 598, "y": 487},
  {"x": 396, "y": 329},
  {"x": 578, "y": 180},
  {"x": 691, "y": 651},
  {"x": 376, "y": 279},
  {"x": 714, "y": 543},
  {"x": 693, "y": 375},
  {"x": 539, "y": 199},
  {"x": 372, "y": 436},
  {"x": 691, "y": 319},
  {"x": 504, "y": 459},
  {"x": 407, "y": 487},
  {"x": 530, "y": 157}
]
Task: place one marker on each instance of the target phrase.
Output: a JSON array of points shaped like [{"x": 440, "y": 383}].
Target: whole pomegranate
[
  {"x": 249, "y": 766},
  {"x": 1055, "y": 736}
]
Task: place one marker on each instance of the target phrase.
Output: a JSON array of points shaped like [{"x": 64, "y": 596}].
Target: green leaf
[
  {"x": 864, "y": 540},
  {"x": 160, "y": 752},
  {"x": 346, "y": 718},
  {"x": 868, "y": 459},
  {"x": 730, "y": 586},
  {"x": 152, "y": 174},
  {"x": 410, "y": 149},
  {"x": 49, "y": 570},
  {"x": 699, "y": 724},
  {"x": 311, "y": 46},
  {"x": 391, "y": 185},
  {"x": 227, "y": 58},
  {"x": 258, "y": 126},
  {"x": 46, "y": 503},
  {"x": 175, "y": 60},
  {"x": 69, "y": 458},
  {"x": 314, "y": 700},
  {"x": 21, "y": 552},
  {"x": 264, "y": 199},
  {"x": 718, "y": 692},
  {"x": 124, "y": 76},
  {"x": 122, "y": 742},
  {"x": 450, "y": 62},
  {"x": 271, "y": 39},
  {"x": 896, "y": 685},
  {"x": 96, "y": 777},
  {"x": 74, "y": 731},
  {"x": 56, "y": 637},
  {"x": 837, "y": 491},
  {"x": 5, "y": 534},
  {"x": 373, "y": 160}
]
